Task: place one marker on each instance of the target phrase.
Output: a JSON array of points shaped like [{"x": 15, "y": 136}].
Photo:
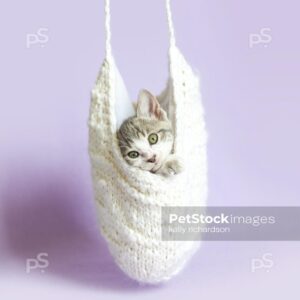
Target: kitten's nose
[{"x": 152, "y": 159}]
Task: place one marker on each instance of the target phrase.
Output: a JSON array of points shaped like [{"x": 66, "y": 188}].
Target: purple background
[{"x": 252, "y": 101}]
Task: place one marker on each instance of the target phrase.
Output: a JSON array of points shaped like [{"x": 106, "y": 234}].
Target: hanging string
[
  {"x": 107, "y": 29},
  {"x": 170, "y": 23}
]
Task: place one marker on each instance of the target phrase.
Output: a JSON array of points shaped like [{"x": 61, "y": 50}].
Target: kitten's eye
[
  {"x": 153, "y": 138},
  {"x": 133, "y": 154}
]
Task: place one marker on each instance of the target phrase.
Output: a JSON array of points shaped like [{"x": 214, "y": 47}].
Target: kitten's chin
[
  {"x": 146, "y": 167},
  {"x": 156, "y": 167}
]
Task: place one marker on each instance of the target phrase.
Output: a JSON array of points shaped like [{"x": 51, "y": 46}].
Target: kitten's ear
[{"x": 148, "y": 107}]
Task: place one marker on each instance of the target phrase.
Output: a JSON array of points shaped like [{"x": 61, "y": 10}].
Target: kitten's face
[{"x": 146, "y": 140}]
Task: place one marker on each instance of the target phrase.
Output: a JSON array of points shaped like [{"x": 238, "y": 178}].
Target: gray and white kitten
[{"x": 146, "y": 140}]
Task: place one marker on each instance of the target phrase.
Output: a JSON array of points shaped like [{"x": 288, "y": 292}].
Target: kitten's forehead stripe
[{"x": 139, "y": 130}]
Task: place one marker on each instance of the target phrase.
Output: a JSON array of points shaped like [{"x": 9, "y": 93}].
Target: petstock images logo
[{"x": 230, "y": 223}]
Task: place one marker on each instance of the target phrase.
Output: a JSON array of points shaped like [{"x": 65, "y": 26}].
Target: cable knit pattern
[{"x": 128, "y": 199}]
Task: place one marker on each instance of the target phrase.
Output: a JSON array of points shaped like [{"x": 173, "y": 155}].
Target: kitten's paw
[
  {"x": 174, "y": 166},
  {"x": 171, "y": 167}
]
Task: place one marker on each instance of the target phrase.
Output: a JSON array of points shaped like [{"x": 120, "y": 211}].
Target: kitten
[{"x": 146, "y": 140}]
